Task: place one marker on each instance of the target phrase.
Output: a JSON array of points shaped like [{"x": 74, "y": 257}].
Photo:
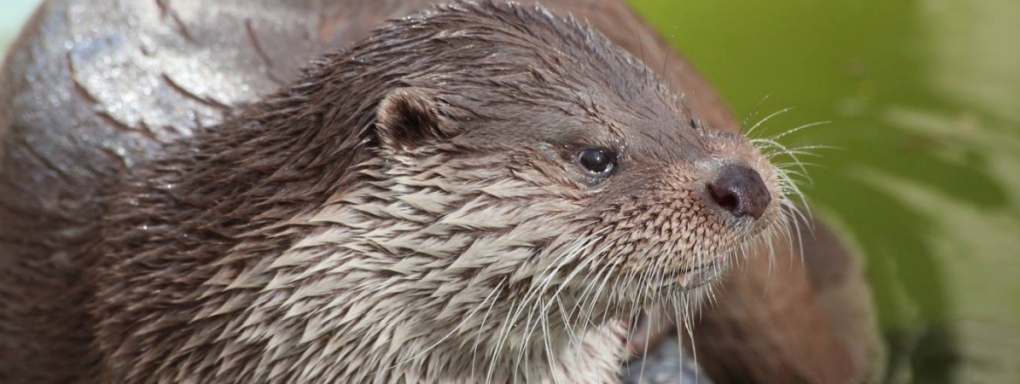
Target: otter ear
[{"x": 407, "y": 118}]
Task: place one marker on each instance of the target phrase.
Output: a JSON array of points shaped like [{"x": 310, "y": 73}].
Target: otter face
[{"x": 637, "y": 202}]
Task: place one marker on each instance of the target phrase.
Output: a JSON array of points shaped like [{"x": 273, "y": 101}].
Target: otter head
[
  {"x": 536, "y": 157},
  {"x": 511, "y": 166}
]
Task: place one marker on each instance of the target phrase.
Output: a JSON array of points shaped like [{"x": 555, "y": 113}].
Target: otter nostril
[
  {"x": 740, "y": 191},
  {"x": 726, "y": 197}
]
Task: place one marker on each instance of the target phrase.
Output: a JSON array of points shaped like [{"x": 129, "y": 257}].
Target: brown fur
[{"x": 248, "y": 253}]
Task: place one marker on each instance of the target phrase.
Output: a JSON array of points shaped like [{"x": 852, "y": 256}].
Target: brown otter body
[{"x": 153, "y": 298}]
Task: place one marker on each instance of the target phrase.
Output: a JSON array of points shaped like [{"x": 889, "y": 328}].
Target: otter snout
[{"x": 740, "y": 191}]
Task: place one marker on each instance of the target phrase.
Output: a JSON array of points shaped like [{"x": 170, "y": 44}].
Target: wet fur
[{"x": 409, "y": 211}]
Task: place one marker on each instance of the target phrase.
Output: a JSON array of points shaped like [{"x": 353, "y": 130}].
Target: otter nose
[{"x": 740, "y": 191}]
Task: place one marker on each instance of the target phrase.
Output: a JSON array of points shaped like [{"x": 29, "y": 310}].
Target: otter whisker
[
  {"x": 589, "y": 297},
  {"x": 788, "y": 175},
  {"x": 478, "y": 333},
  {"x": 574, "y": 252},
  {"x": 581, "y": 267},
  {"x": 571, "y": 337},
  {"x": 536, "y": 290},
  {"x": 501, "y": 337},
  {"x": 592, "y": 299},
  {"x": 793, "y": 174},
  {"x": 689, "y": 324},
  {"x": 792, "y": 203},
  {"x": 798, "y": 213},
  {"x": 806, "y": 148},
  {"x": 754, "y": 113},
  {"x": 799, "y": 128},
  {"x": 588, "y": 301},
  {"x": 749, "y": 132},
  {"x": 524, "y": 343},
  {"x": 777, "y": 154},
  {"x": 789, "y": 187},
  {"x": 548, "y": 343},
  {"x": 679, "y": 325},
  {"x": 523, "y": 354},
  {"x": 659, "y": 282},
  {"x": 578, "y": 300},
  {"x": 782, "y": 147}
]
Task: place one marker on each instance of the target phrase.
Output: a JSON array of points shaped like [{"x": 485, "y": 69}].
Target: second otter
[{"x": 480, "y": 193}]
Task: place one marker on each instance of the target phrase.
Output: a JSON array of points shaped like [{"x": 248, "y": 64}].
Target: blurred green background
[{"x": 922, "y": 100}]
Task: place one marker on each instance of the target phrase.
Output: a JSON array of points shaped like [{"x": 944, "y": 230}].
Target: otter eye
[{"x": 597, "y": 160}]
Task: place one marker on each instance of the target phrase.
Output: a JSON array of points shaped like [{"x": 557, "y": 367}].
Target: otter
[
  {"x": 481, "y": 192},
  {"x": 163, "y": 182}
]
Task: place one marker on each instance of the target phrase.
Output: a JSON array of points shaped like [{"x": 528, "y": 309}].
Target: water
[{"x": 923, "y": 103}]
